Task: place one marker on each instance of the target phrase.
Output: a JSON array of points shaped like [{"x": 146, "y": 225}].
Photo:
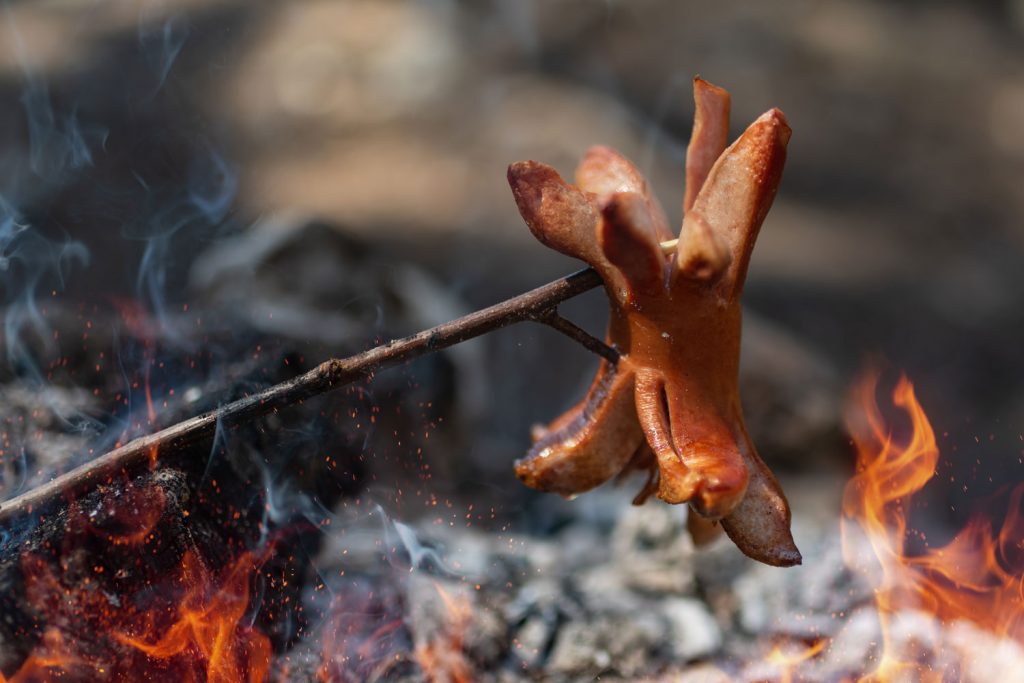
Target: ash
[{"x": 616, "y": 592}]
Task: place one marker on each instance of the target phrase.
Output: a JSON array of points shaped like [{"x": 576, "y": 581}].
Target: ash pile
[{"x": 609, "y": 591}]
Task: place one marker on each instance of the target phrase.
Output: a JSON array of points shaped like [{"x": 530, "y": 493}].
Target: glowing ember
[{"x": 977, "y": 577}]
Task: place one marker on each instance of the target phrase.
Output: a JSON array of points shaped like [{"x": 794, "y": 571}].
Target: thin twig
[
  {"x": 539, "y": 305},
  {"x": 573, "y": 331}
]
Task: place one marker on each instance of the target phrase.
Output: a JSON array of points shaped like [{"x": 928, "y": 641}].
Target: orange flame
[
  {"x": 207, "y": 639},
  {"x": 209, "y": 626},
  {"x": 787, "y": 660},
  {"x": 51, "y": 660},
  {"x": 971, "y": 578},
  {"x": 441, "y": 656}
]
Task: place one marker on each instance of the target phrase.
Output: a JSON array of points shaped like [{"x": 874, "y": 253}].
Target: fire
[
  {"x": 962, "y": 603},
  {"x": 441, "y": 656},
  {"x": 209, "y": 628},
  {"x": 787, "y": 660},
  {"x": 191, "y": 628},
  {"x": 977, "y": 577},
  {"x": 50, "y": 660}
]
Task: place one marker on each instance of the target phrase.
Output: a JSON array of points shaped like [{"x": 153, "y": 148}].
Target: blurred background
[{"x": 323, "y": 174}]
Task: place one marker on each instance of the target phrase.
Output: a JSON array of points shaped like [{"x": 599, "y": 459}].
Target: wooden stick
[{"x": 539, "y": 305}]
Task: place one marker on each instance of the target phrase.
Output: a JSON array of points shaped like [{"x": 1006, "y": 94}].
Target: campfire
[{"x": 285, "y": 475}]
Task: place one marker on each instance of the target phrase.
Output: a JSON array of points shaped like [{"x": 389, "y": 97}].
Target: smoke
[
  {"x": 35, "y": 262},
  {"x": 199, "y": 206},
  {"x": 200, "y": 201},
  {"x": 58, "y": 140},
  {"x": 420, "y": 556},
  {"x": 28, "y": 261},
  {"x": 58, "y": 144},
  {"x": 161, "y": 44},
  {"x": 73, "y": 183}
]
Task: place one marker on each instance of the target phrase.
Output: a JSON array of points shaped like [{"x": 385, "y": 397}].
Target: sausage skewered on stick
[{"x": 675, "y": 320}]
